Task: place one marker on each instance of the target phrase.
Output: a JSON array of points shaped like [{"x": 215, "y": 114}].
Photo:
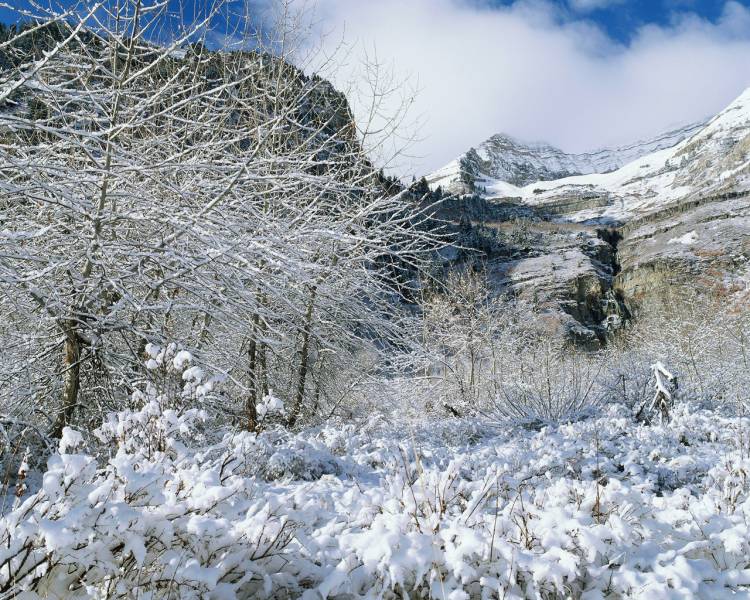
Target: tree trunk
[
  {"x": 304, "y": 359},
  {"x": 71, "y": 381},
  {"x": 262, "y": 374},
  {"x": 252, "y": 398}
]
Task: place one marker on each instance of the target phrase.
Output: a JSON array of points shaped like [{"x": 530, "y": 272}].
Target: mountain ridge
[{"x": 503, "y": 157}]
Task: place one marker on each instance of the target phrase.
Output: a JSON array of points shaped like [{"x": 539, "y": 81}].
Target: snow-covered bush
[
  {"x": 601, "y": 508},
  {"x": 158, "y": 519},
  {"x": 485, "y": 354},
  {"x": 176, "y": 380},
  {"x": 548, "y": 384},
  {"x": 705, "y": 339},
  {"x": 597, "y": 509},
  {"x": 23, "y": 449},
  {"x": 664, "y": 395}
]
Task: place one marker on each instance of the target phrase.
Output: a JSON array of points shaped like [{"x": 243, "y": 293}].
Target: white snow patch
[
  {"x": 689, "y": 238},
  {"x": 602, "y": 508}
]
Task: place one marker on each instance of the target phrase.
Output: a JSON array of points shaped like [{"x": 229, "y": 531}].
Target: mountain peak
[
  {"x": 506, "y": 158},
  {"x": 506, "y": 138}
]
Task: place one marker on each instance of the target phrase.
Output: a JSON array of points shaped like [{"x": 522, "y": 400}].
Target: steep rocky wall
[
  {"x": 566, "y": 270},
  {"x": 702, "y": 245},
  {"x": 589, "y": 279}
]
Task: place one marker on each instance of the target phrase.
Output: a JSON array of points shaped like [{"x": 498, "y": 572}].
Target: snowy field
[{"x": 601, "y": 508}]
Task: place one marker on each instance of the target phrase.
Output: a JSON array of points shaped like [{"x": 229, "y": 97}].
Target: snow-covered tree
[{"x": 155, "y": 190}]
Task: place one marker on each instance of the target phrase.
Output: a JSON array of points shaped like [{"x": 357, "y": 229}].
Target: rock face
[
  {"x": 704, "y": 244},
  {"x": 614, "y": 236}
]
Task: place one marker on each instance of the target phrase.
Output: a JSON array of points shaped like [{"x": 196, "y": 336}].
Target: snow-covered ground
[{"x": 601, "y": 508}]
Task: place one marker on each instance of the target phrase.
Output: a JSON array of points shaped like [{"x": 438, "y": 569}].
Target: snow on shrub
[
  {"x": 178, "y": 380},
  {"x": 594, "y": 509},
  {"x": 156, "y": 520}
]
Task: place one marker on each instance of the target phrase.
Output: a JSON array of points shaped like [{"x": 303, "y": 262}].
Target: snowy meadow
[{"x": 150, "y": 506}]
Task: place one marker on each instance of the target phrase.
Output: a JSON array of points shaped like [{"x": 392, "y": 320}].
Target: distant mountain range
[{"x": 702, "y": 157}]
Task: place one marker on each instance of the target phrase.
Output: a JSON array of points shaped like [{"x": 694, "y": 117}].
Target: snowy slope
[
  {"x": 507, "y": 159},
  {"x": 714, "y": 160}
]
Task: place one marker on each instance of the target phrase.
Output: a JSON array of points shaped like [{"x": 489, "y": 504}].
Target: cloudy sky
[{"x": 580, "y": 74}]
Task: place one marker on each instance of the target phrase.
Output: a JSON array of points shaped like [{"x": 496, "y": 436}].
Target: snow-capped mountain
[
  {"x": 590, "y": 243},
  {"x": 505, "y": 158},
  {"x": 713, "y": 157},
  {"x": 714, "y": 160}
]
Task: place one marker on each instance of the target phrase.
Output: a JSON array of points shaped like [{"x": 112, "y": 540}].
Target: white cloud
[{"x": 530, "y": 71}]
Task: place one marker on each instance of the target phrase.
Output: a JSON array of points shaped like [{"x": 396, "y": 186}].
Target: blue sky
[{"x": 620, "y": 19}]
